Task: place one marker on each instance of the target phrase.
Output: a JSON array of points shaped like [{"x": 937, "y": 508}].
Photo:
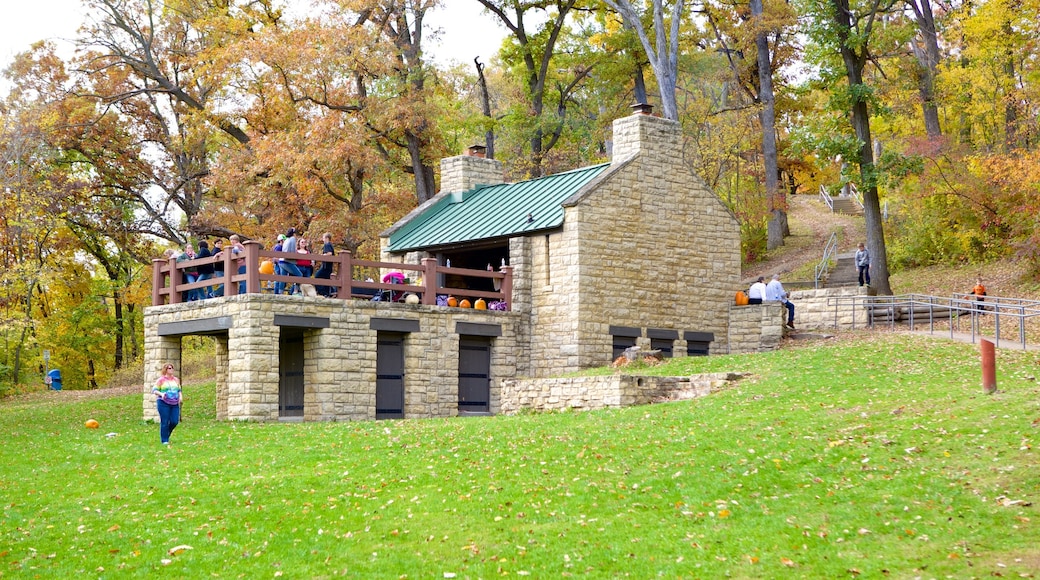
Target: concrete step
[{"x": 846, "y": 205}]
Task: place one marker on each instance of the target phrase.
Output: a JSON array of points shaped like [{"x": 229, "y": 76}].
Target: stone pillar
[
  {"x": 253, "y": 341},
  {"x": 158, "y": 351},
  {"x": 221, "y": 347}
]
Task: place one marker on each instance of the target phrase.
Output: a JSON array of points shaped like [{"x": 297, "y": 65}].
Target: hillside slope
[{"x": 812, "y": 224}]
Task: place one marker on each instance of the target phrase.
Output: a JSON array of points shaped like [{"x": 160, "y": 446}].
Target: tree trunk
[
  {"x": 485, "y": 107},
  {"x": 767, "y": 118},
  {"x": 120, "y": 330},
  {"x": 854, "y": 64},
  {"x": 927, "y": 54},
  {"x": 425, "y": 188}
]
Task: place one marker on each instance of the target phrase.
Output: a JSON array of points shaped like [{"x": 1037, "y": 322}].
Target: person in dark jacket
[{"x": 205, "y": 271}]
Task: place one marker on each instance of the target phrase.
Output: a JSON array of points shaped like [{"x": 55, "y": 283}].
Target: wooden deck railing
[{"x": 168, "y": 286}]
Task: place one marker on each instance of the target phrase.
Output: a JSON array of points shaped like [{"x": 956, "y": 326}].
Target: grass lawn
[{"x": 874, "y": 457}]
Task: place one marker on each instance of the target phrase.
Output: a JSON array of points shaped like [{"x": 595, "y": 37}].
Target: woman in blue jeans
[{"x": 167, "y": 391}]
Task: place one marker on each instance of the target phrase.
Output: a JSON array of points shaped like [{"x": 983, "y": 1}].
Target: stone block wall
[
  {"x": 829, "y": 308},
  {"x": 464, "y": 172},
  {"x": 339, "y": 361},
  {"x": 756, "y": 327},
  {"x": 617, "y": 390},
  {"x": 645, "y": 245}
]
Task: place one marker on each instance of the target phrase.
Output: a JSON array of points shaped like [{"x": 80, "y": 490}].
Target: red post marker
[{"x": 989, "y": 368}]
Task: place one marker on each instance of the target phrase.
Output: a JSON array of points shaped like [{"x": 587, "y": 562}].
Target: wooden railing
[{"x": 168, "y": 275}]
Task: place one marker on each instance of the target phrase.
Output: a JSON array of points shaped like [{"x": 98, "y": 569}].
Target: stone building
[{"x": 638, "y": 251}]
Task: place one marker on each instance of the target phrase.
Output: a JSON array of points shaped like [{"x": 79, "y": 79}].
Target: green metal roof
[{"x": 493, "y": 211}]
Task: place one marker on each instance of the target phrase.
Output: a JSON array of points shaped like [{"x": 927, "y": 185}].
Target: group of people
[
  {"x": 773, "y": 292},
  {"x": 289, "y": 242}
]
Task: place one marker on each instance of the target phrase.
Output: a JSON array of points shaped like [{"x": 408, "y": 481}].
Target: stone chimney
[
  {"x": 642, "y": 132},
  {"x": 464, "y": 172}
]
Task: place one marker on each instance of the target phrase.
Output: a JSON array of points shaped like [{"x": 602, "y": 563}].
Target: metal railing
[
  {"x": 826, "y": 197},
  {"x": 986, "y": 318},
  {"x": 854, "y": 193},
  {"x": 828, "y": 252}
]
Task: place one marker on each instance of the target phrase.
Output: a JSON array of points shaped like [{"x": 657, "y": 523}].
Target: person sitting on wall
[
  {"x": 757, "y": 292},
  {"x": 775, "y": 291}
]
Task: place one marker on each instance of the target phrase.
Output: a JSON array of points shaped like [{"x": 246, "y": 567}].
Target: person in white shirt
[
  {"x": 775, "y": 291},
  {"x": 757, "y": 293}
]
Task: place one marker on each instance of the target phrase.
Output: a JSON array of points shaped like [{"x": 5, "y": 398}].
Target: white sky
[{"x": 466, "y": 31}]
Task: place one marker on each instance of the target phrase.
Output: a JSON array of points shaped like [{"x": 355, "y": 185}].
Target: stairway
[
  {"x": 844, "y": 273},
  {"x": 846, "y": 205}
]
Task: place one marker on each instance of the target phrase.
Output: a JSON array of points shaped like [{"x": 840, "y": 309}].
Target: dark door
[
  {"x": 390, "y": 375},
  {"x": 474, "y": 374},
  {"x": 662, "y": 344},
  {"x": 621, "y": 343},
  {"x": 290, "y": 374}
]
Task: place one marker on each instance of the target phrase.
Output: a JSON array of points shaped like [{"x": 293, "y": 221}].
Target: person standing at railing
[
  {"x": 863, "y": 264},
  {"x": 979, "y": 292},
  {"x": 287, "y": 267},
  {"x": 190, "y": 274},
  {"x": 205, "y": 272},
  {"x": 325, "y": 269}
]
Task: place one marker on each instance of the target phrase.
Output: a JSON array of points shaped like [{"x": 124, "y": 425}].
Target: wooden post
[
  {"x": 989, "y": 366},
  {"x": 175, "y": 280},
  {"x": 346, "y": 275},
  {"x": 230, "y": 269},
  {"x": 429, "y": 277},
  {"x": 507, "y": 286},
  {"x": 158, "y": 281},
  {"x": 252, "y": 266}
]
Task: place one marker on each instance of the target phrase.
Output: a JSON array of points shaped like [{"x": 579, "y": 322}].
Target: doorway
[
  {"x": 390, "y": 375},
  {"x": 290, "y": 374},
  {"x": 474, "y": 375}
]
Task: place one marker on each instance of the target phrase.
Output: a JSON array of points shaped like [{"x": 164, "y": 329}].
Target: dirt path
[{"x": 812, "y": 224}]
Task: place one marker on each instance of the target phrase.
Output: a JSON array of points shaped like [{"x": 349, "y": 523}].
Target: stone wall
[
  {"x": 617, "y": 390},
  {"x": 339, "y": 361},
  {"x": 464, "y": 172},
  {"x": 829, "y": 308},
  {"x": 646, "y": 245},
  {"x": 756, "y": 327}
]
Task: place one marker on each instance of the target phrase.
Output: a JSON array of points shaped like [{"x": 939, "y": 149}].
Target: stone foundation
[{"x": 587, "y": 393}]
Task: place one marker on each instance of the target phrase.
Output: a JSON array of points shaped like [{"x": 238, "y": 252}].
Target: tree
[
  {"x": 535, "y": 51},
  {"x": 663, "y": 53}
]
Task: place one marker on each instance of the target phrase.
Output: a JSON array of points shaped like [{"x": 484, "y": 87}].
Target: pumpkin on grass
[{"x": 92, "y": 424}]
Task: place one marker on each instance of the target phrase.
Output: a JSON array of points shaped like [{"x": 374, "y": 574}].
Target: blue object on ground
[{"x": 55, "y": 376}]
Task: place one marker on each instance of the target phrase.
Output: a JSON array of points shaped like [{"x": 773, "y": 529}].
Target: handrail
[
  {"x": 855, "y": 195},
  {"x": 167, "y": 287},
  {"x": 916, "y": 309},
  {"x": 827, "y": 198},
  {"x": 823, "y": 266}
]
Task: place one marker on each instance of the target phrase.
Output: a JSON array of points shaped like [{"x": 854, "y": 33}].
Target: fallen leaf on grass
[
  {"x": 787, "y": 562},
  {"x": 178, "y": 549}
]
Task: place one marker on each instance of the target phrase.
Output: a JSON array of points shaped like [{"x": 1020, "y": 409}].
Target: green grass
[{"x": 876, "y": 457}]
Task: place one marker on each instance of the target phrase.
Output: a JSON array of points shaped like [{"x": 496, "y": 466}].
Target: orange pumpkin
[
  {"x": 480, "y": 304},
  {"x": 742, "y": 298},
  {"x": 267, "y": 267},
  {"x": 452, "y": 301},
  {"x": 92, "y": 424},
  {"x": 464, "y": 304}
]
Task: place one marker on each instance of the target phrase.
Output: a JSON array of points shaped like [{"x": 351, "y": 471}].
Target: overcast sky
[{"x": 466, "y": 32}]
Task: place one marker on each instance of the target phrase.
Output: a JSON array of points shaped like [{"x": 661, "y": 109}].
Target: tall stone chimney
[
  {"x": 464, "y": 172},
  {"x": 642, "y": 132}
]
